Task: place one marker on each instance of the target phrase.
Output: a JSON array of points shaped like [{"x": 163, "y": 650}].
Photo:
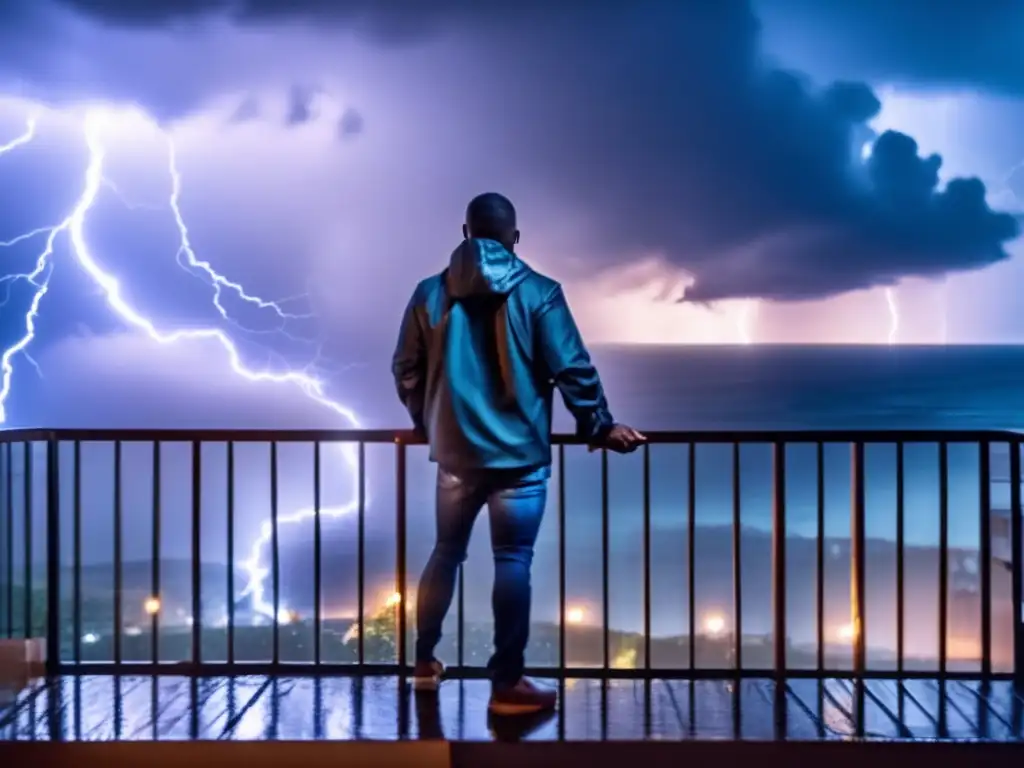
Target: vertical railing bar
[
  {"x": 400, "y": 550},
  {"x": 76, "y": 555},
  {"x": 460, "y": 630},
  {"x": 1017, "y": 566},
  {"x": 54, "y": 627},
  {"x": 275, "y": 556},
  {"x": 647, "y": 556},
  {"x": 691, "y": 551},
  {"x": 985, "y": 555},
  {"x": 27, "y": 498},
  {"x": 561, "y": 557},
  {"x": 857, "y": 553},
  {"x": 819, "y": 554},
  {"x": 230, "y": 512},
  {"x": 155, "y": 593},
  {"x": 317, "y": 558},
  {"x": 605, "y": 565},
  {"x": 9, "y": 504},
  {"x": 779, "y": 559},
  {"x": 197, "y": 571},
  {"x": 118, "y": 557},
  {"x": 943, "y": 556},
  {"x": 4, "y": 533},
  {"x": 361, "y": 556},
  {"x": 900, "y": 559},
  {"x": 737, "y": 559}
]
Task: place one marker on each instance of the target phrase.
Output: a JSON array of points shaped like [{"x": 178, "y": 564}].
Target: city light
[
  {"x": 395, "y": 598},
  {"x": 152, "y": 606},
  {"x": 89, "y": 638},
  {"x": 714, "y": 624},
  {"x": 575, "y": 615},
  {"x": 845, "y": 633}
]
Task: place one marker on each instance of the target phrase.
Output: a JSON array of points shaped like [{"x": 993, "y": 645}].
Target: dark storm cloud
[
  {"x": 351, "y": 124},
  {"x": 658, "y": 120},
  {"x": 300, "y": 105},
  {"x": 950, "y": 42},
  {"x": 248, "y": 109}
]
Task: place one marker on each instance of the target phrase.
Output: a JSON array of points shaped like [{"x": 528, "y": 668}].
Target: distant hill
[{"x": 714, "y": 588}]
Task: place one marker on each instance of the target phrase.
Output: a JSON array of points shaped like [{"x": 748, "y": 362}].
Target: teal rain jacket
[{"x": 481, "y": 348}]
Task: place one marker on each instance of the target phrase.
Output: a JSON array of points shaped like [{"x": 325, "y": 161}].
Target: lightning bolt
[
  {"x": 894, "y": 315},
  {"x": 73, "y": 226},
  {"x": 744, "y": 320},
  {"x": 23, "y": 139},
  {"x": 186, "y": 252},
  {"x": 39, "y": 277},
  {"x": 945, "y": 312},
  {"x": 1007, "y": 181}
]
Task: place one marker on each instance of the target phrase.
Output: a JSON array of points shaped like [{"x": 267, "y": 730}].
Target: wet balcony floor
[{"x": 131, "y": 708}]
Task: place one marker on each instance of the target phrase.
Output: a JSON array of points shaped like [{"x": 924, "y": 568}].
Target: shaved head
[{"x": 493, "y": 217}]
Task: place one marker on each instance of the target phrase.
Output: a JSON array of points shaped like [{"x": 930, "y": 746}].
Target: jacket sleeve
[
  {"x": 409, "y": 364},
  {"x": 569, "y": 365}
]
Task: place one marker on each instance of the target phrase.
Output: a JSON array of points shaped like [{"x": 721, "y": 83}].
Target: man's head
[{"x": 492, "y": 217}]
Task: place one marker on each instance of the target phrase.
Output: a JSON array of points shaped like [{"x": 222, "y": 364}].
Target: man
[{"x": 481, "y": 347}]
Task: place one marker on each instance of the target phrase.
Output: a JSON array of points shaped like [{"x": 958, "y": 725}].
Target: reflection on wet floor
[{"x": 95, "y": 708}]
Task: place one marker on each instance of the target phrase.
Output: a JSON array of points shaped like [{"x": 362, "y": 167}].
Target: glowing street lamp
[
  {"x": 575, "y": 615},
  {"x": 152, "y": 606},
  {"x": 714, "y": 624},
  {"x": 846, "y": 633},
  {"x": 394, "y": 599}
]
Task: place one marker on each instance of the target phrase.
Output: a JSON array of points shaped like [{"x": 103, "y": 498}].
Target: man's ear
[
  {"x": 516, "y": 238},
  {"x": 465, "y": 232}
]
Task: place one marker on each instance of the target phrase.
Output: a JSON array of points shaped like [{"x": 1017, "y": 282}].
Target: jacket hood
[{"x": 483, "y": 268}]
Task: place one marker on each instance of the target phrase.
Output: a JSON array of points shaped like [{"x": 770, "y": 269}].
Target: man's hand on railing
[
  {"x": 411, "y": 436},
  {"x": 621, "y": 439}
]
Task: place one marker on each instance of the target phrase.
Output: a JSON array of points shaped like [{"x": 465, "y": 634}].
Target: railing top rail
[{"x": 409, "y": 438}]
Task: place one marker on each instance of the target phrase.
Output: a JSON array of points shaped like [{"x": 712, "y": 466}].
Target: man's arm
[
  {"x": 409, "y": 364},
  {"x": 566, "y": 358}
]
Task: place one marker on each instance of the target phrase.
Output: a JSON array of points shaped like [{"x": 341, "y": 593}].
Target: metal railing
[{"x": 22, "y": 450}]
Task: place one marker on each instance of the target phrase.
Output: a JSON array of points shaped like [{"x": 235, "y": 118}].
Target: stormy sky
[
  {"x": 660, "y": 152},
  {"x": 692, "y": 171}
]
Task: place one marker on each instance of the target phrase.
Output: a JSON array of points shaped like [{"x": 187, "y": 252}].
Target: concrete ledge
[
  {"x": 718, "y": 754},
  {"x": 441, "y": 754},
  {"x": 225, "y": 754}
]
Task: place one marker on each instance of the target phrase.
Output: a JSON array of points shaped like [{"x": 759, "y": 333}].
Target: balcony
[{"x": 751, "y": 592}]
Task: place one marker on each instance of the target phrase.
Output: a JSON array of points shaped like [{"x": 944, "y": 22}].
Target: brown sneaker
[
  {"x": 523, "y": 698},
  {"x": 426, "y": 675}
]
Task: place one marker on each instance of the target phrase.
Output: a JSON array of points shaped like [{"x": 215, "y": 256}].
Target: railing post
[
  {"x": 857, "y": 601},
  {"x": 400, "y": 548},
  {"x": 53, "y": 623},
  {"x": 7, "y": 561},
  {"x": 779, "y": 556},
  {"x": 1016, "y": 565},
  {"x": 985, "y": 569},
  {"x": 196, "y": 558}
]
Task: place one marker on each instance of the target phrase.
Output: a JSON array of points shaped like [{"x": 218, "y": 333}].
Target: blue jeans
[{"x": 515, "y": 500}]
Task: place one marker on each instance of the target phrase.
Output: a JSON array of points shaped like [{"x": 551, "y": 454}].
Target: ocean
[{"x": 816, "y": 387}]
